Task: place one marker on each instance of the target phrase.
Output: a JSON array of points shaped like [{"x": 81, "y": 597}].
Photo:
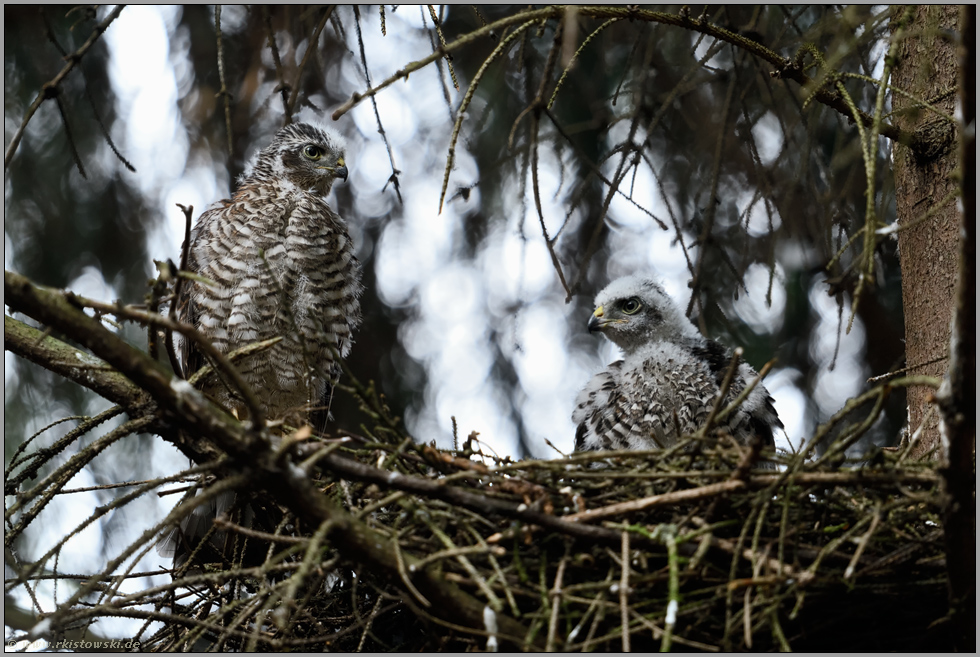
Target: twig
[
  {"x": 675, "y": 497},
  {"x": 668, "y": 534},
  {"x": 624, "y": 589},
  {"x": 393, "y": 179},
  {"x": 223, "y": 92},
  {"x": 283, "y": 87},
  {"x": 310, "y": 48},
  {"x": 535, "y": 109},
  {"x": 442, "y": 76},
  {"x": 50, "y": 88},
  {"x": 863, "y": 543},
  {"x": 746, "y": 391},
  {"x": 377, "y": 605},
  {"x": 43, "y": 456},
  {"x": 71, "y": 140},
  {"x": 87, "y": 90},
  {"x": 14, "y": 461},
  {"x": 442, "y": 41},
  {"x": 709, "y": 217},
  {"x": 178, "y": 290},
  {"x": 481, "y": 583},
  {"x": 917, "y": 434},
  {"x": 310, "y": 559},
  {"x": 403, "y": 574},
  {"x": 572, "y": 12},
  {"x": 222, "y": 362},
  {"x": 554, "y": 596},
  {"x": 468, "y": 97},
  {"x": 221, "y": 523},
  {"x": 44, "y": 492}
]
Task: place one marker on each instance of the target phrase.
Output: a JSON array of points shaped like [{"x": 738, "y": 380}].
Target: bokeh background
[{"x": 661, "y": 151}]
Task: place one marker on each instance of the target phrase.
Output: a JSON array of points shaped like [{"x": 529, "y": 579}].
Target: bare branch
[{"x": 50, "y": 88}]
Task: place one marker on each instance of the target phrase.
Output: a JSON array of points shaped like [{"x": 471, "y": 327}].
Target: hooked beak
[
  {"x": 596, "y": 322},
  {"x": 341, "y": 170}
]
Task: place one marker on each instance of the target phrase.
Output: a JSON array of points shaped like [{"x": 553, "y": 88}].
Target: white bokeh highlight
[{"x": 509, "y": 290}]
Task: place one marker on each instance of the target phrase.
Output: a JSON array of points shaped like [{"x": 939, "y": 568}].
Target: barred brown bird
[
  {"x": 668, "y": 380},
  {"x": 282, "y": 264},
  {"x": 276, "y": 261}
]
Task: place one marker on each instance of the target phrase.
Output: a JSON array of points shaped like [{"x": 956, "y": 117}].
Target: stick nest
[{"x": 681, "y": 549}]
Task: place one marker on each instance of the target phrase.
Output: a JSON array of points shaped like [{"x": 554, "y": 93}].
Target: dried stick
[
  {"x": 178, "y": 289},
  {"x": 624, "y": 589},
  {"x": 675, "y": 497}
]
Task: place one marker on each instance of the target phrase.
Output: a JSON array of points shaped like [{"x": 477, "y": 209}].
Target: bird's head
[
  {"x": 309, "y": 156},
  {"x": 634, "y": 311}
]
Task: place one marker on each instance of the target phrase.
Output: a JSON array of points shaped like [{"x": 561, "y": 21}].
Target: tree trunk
[
  {"x": 957, "y": 397},
  {"x": 926, "y": 67}
]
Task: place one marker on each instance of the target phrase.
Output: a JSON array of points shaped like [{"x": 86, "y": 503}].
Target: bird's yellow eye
[
  {"x": 632, "y": 306},
  {"x": 313, "y": 152}
]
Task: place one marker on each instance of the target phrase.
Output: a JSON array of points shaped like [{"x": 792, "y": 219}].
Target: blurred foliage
[
  {"x": 693, "y": 111},
  {"x": 598, "y": 99}
]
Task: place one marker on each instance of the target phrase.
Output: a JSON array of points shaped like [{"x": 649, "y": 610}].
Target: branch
[
  {"x": 222, "y": 362},
  {"x": 310, "y": 49},
  {"x": 468, "y": 38},
  {"x": 784, "y": 68},
  {"x": 73, "y": 364},
  {"x": 50, "y": 89},
  {"x": 573, "y": 524},
  {"x": 437, "y": 489},
  {"x": 223, "y": 92},
  {"x": 250, "y": 450},
  {"x": 758, "y": 482},
  {"x": 675, "y": 497},
  {"x": 176, "y": 399}
]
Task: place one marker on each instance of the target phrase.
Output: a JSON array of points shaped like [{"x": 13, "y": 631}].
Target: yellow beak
[{"x": 596, "y": 321}]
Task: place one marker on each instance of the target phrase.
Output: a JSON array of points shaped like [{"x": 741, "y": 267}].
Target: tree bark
[
  {"x": 935, "y": 252},
  {"x": 957, "y": 397},
  {"x": 926, "y": 208}
]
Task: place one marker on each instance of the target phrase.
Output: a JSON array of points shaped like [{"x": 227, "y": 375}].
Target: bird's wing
[
  {"x": 191, "y": 358},
  {"x": 597, "y": 410}
]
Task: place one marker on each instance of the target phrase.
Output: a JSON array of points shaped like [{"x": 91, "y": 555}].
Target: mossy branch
[
  {"x": 250, "y": 450},
  {"x": 73, "y": 364}
]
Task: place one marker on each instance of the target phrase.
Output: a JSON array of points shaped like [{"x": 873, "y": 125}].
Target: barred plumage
[
  {"x": 668, "y": 380},
  {"x": 282, "y": 264},
  {"x": 278, "y": 263}
]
